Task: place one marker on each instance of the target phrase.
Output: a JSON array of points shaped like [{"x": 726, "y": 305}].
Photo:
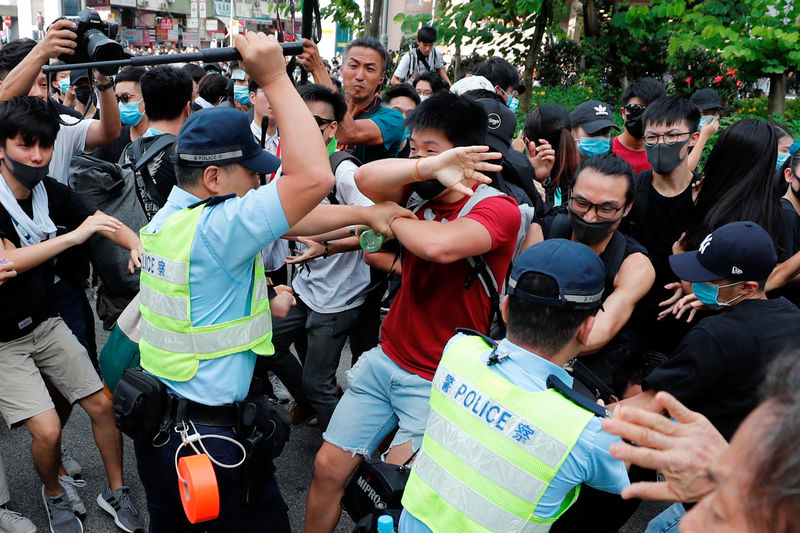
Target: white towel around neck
[{"x": 30, "y": 231}]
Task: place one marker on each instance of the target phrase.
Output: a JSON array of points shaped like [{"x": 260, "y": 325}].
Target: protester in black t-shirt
[
  {"x": 600, "y": 194},
  {"x": 664, "y": 197},
  {"x": 718, "y": 366},
  {"x": 33, "y": 209}
]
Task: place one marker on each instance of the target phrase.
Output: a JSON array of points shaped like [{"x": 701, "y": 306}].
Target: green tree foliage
[{"x": 759, "y": 38}]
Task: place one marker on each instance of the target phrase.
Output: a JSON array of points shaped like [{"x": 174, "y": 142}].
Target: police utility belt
[{"x": 146, "y": 412}]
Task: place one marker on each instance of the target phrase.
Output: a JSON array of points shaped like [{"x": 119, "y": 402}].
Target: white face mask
[{"x": 423, "y": 97}]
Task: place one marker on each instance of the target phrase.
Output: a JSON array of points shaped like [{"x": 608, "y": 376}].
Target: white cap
[{"x": 471, "y": 83}]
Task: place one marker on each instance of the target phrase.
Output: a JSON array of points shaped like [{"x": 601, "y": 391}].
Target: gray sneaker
[
  {"x": 118, "y": 504},
  {"x": 11, "y": 522},
  {"x": 70, "y": 486},
  {"x": 279, "y": 389},
  {"x": 72, "y": 466},
  {"x": 59, "y": 512}
]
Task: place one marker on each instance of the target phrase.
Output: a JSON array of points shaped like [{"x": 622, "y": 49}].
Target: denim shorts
[{"x": 381, "y": 396}]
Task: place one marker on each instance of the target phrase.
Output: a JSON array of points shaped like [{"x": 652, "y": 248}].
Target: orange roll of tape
[{"x": 199, "y": 492}]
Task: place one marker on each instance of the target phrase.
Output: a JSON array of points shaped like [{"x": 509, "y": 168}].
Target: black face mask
[
  {"x": 83, "y": 93},
  {"x": 589, "y": 233},
  {"x": 428, "y": 190},
  {"x": 794, "y": 192},
  {"x": 28, "y": 176},
  {"x": 634, "y": 126}
]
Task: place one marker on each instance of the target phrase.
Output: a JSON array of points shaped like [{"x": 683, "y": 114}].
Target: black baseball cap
[
  {"x": 213, "y": 66},
  {"x": 77, "y": 75},
  {"x": 221, "y": 136},
  {"x": 502, "y": 123},
  {"x": 706, "y": 99},
  {"x": 593, "y": 116},
  {"x": 576, "y": 268},
  {"x": 739, "y": 251}
]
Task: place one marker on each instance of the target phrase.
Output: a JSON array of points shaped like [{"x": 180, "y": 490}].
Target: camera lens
[{"x": 101, "y": 48}]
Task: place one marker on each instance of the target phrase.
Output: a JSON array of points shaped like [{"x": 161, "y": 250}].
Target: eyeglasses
[
  {"x": 634, "y": 109},
  {"x": 323, "y": 121},
  {"x": 651, "y": 139},
  {"x": 582, "y": 206},
  {"x": 125, "y": 97}
]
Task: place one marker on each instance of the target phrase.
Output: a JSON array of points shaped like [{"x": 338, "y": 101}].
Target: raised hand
[
  {"x": 262, "y": 57},
  {"x": 453, "y": 166},
  {"x": 682, "y": 450}
]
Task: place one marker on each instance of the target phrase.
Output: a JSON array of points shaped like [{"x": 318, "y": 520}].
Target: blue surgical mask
[
  {"x": 129, "y": 113},
  {"x": 63, "y": 85},
  {"x": 242, "y": 94},
  {"x": 782, "y": 157},
  {"x": 592, "y": 146},
  {"x": 708, "y": 292},
  {"x": 513, "y": 103},
  {"x": 705, "y": 120}
]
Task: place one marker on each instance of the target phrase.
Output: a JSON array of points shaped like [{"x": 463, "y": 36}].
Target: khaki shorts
[{"x": 50, "y": 350}]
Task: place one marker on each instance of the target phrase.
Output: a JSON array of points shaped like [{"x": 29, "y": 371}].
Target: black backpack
[
  {"x": 337, "y": 158},
  {"x": 139, "y": 160}
]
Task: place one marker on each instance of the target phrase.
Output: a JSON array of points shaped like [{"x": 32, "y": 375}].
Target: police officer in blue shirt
[
  {"x": 205, "y": 313},
  {"x": 508, "y": 443}
]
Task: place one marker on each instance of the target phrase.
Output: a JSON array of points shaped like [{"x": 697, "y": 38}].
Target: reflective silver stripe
[
  {"x": 169, "y": 306},
  {"x": 260, "y": 290},
  {"x": 576, "y": 298},
  {"x": 498, "y": 417},
  {"x": 468, "y": 502},
  {"x": 163, "y": 268},
  {"x": 206, "y": 342},
  {"x": 210, "y": 157},
  {"x": 483, "y": 460}
]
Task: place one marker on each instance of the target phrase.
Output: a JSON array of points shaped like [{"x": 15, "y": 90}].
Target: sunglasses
[
  {"x": 323, "y": 121},
  {"x": 634, "y": 109},
  {"x": 125, "y": 97}
]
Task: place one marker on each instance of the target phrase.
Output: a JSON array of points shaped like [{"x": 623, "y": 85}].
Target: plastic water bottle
[
  {"x": 371, "y": 240},
  {"x": 385, "y": 524}
]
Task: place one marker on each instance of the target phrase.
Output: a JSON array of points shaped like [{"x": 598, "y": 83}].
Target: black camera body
[{"x": 95, "y": 41}]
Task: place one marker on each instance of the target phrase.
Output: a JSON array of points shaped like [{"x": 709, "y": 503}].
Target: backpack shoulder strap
[
  {"x": 337, "y": 158},
  {"x": 561, "y": 228},
  {"x": 159, "y": 144}
]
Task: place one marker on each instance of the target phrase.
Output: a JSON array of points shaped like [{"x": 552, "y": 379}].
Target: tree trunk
[
  {"x": 367, "y": 18},
  {"x": 591, "y": 19},
  {"x": 375, "y": 23},
  {"x": 777, "y": 94},
  {"x": 457, "y": 63},
  {"x": 532, "y": 54}
]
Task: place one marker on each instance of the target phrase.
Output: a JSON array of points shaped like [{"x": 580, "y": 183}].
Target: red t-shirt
[
  {"x": 638, "y": 160},
  {"x": 432, "y": 301}
]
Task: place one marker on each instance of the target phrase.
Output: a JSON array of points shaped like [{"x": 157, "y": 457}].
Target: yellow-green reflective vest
[
  {"x": 171, "y": 347},
  {"x": 490, "y": 449}
]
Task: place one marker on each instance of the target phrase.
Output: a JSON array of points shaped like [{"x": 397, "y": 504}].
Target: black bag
[
  {"x": 372, "y": 482},
  {"x": 139, "y": 402}
]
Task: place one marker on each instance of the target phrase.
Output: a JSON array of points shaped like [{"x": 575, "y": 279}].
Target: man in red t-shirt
[
  {"x": 629, "y": 144},
  {"x": 389, "y": 387}
]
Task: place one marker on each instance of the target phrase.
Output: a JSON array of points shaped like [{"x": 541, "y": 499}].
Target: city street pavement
[{"x": 294, "y": 469}]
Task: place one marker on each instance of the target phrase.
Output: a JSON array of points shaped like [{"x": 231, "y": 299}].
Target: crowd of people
[{"x": 522, "y": 308}]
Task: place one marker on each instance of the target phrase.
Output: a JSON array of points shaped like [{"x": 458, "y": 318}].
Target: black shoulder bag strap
[
  {"x": 138, "y": 159},
  {"x": 337, "y": 158}
]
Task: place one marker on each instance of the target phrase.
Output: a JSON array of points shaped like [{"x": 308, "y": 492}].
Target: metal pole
[
  {"x": 207, "y": 56},
  {"x": 230, "y": 25},
  {"x": 385, "y": 24}
]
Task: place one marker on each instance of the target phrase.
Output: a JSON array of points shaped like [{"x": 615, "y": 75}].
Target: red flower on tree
[
  {"x": 732, "y": 71},
  {"x": 718, "y": 79},
  {"x": 738, "y": 83},
  {"x": 689, "y": 80}
]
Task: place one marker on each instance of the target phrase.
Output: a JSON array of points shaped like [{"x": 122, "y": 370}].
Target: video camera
[{"x": 95, "y": 41}]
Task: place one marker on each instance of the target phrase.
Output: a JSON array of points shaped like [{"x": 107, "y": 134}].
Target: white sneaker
[
  {"x": 11, "y": 522},
  {"x": 70, "y": 485}
]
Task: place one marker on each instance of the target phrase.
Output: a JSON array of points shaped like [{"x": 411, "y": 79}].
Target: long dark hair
[
  {"x": 738, "y": 183},
  {"x": 552, "y": 123}
]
